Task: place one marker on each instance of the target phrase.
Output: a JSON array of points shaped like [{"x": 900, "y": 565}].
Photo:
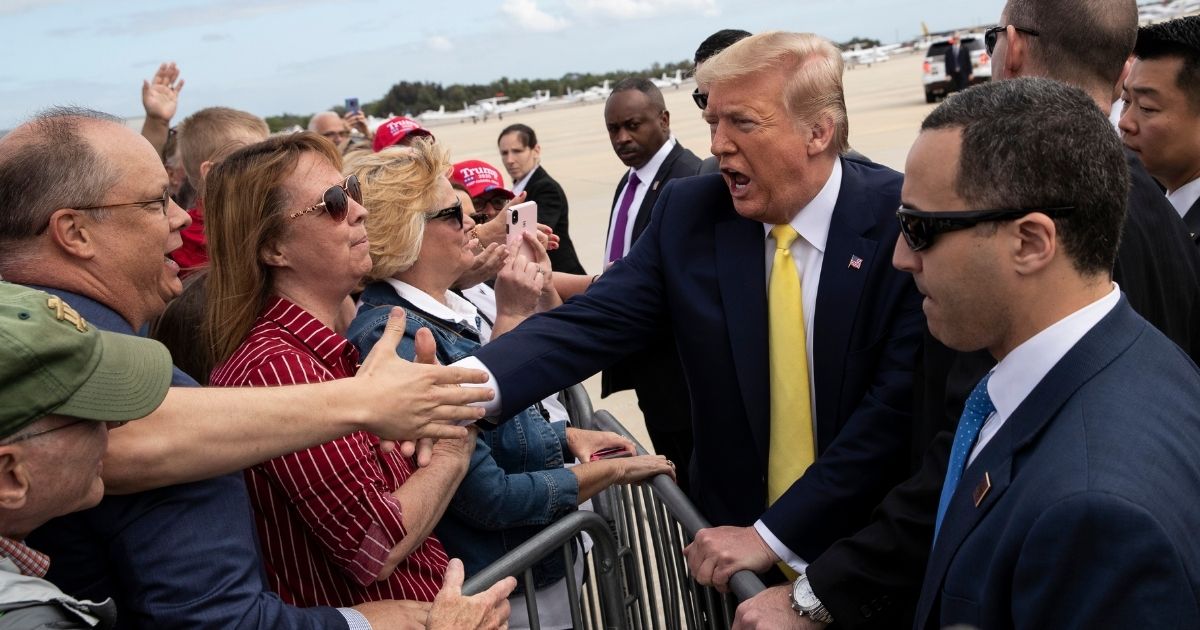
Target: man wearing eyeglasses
[
  {"x": 84, "y": 213},
  {"x": 61, "y": 381}
]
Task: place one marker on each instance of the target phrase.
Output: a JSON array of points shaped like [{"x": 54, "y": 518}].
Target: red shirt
[
  {"x": 193, "y": 254},
  {"x": 326, "y": 516}
]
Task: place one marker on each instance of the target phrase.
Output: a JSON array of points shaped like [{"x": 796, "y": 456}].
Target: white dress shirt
[
  {"x": 645, "y": 180},
  {"x": 1185, "y": 197},
  {"x": 1015, "y": 376},
  {"x": 520, "y": 185}
]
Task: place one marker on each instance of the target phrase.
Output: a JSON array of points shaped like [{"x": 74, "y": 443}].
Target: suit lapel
[
  {"x": 741, "y": 277},
  {"x": 655, "y": 187},
  {"x": 838, "y": 296},
  {"x": 1192, "y": 220},
  {"x": 1095, "y": 351}
]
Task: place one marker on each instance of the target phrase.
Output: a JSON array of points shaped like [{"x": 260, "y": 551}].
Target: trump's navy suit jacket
[
  {"x": 698, "y": 273},
  {"x": 1090, "y": 520}
]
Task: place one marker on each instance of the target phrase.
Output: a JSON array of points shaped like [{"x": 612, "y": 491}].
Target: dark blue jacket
[
  {"x": 698, "y": 271},
  {"x": 515, "y": 483},
  {"x": 183, "y": 556},
  {"x": 1090, "y": 520}
]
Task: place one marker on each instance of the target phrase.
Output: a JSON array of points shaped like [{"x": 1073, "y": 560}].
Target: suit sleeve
[
  {"x": 617, "y": 316},
  {"x": 1101, "y": 561},
  {"x": 873, "y": 578}
]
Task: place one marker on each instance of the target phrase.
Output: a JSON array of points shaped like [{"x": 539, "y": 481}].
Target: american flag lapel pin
[
  {"x": 981, "y": 490},
  {"x": 855, "y": 262}
]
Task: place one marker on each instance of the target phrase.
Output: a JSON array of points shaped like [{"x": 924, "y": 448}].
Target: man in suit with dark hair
[
  {"x": 1161, "y": 122},
  {"x": 1048, "y": 508},
  {"x": 957, "y": 60},
  {"x": 796, "y": 335},
  {"x": 522, "y": 158},
  {"x": 639, "y": 127}
]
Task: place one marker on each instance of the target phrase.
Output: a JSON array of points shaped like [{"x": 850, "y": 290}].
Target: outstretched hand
[
  {"x": 160, "y": 95},
  {"x": 408, "y": 401}
]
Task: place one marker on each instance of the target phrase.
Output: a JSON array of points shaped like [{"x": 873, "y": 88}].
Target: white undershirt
[
  {"x": 519, "y": 186},
  {"x": 1185, "y": 197},
  {"x": 1015, "y": 376},
  {"x": 645, "y": 180}
]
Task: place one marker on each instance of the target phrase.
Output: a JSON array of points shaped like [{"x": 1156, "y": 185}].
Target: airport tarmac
[{"x": 886, "y": 104}]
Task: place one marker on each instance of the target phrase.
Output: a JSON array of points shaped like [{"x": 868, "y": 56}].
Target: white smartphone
[{"x": 519, "y": 219}]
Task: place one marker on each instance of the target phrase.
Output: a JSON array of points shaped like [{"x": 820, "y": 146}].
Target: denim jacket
[{"x": 515, "y": 483}]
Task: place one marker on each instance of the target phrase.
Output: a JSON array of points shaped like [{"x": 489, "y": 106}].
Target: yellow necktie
[{"x": 792, "y": 449}]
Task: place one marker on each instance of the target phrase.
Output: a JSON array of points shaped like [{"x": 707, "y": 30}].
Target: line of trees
[{"x": 409, "y": 97}]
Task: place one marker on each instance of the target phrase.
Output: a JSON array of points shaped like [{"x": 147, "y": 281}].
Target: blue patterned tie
[{"x": 979, "y": 407}]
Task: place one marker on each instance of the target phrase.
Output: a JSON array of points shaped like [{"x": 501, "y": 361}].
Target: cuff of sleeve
[
  {"x": 491, "y": 407},
  {"x": 787, "y": 555},
  {"x": 564, "y": 490},
  {"x": 560, "y": 431},
  {"x": 354, "y": 619}
]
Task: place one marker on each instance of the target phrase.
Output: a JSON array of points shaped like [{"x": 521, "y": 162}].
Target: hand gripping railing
[{"x": 637, "y": 576}]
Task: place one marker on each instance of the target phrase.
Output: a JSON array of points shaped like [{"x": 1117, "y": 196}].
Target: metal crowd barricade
[{"x": 635, "y": 576}]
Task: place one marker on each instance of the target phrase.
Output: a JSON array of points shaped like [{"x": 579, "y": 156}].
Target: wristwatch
[{"x": 805, "y": 602}]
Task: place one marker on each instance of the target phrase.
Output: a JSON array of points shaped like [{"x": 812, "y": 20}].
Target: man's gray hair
[
  {"x": 47, "y": 164},
  {"x": 1037, "y": 143}
]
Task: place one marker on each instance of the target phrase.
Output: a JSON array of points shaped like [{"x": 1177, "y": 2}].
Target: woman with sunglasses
[
  {"x": 348, "y": 521},
  {"x": 516, "y": 483}
]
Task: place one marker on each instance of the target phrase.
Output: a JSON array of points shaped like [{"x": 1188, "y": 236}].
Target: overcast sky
[{"x": 301, "y": 56}]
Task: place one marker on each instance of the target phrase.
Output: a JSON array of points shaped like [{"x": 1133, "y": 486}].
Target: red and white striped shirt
[{"x": 326, "y": 516}]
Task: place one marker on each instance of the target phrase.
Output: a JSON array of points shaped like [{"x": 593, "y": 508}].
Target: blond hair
[
  {"x": 245, "y": 211},
  {"x": 813, "y": 89},
  {"x": 212, "y": 133},
  {"x": 399, "y": 189}
]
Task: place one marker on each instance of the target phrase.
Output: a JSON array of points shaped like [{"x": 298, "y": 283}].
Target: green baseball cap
[{"x": 52, "y": 361}]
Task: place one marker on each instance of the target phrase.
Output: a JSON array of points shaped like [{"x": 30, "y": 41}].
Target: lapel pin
[
  {"x": 654, "y": 186},
  {"x": 981, "y": 490},
  {"x": 855, "y": 262}
]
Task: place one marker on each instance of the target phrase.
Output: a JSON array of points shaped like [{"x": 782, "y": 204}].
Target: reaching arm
[
  {"x": 425, "y": 495},
  {"x": 160, "y": 98},
  {"x": 202, "y": 433}
]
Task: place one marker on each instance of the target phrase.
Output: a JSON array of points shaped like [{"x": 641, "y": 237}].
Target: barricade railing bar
[{"x": 636, "y": 575}]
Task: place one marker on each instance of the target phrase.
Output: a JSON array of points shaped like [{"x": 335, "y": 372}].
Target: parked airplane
[
  {"x": 868, "y": 56},
  {"x": 594, "y": 93},
  {"x": 666, "y": 82}
]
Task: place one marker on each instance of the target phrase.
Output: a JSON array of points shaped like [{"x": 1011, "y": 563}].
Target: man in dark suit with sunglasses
[{"x": 1041, "y": 521}]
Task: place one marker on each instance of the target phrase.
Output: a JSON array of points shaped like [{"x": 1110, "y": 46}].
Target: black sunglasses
[
  {"x": 455, "y": 212},
  {"x": 921, "y": 228},
  {"x": 701, "y": 98},
  {"x": 990, "y": 35},
  {"x": 335, "y": 200},
  {"x": 497, "y": 202}
]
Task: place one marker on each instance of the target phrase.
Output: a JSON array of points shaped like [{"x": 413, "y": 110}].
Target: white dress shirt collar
[
  {"x": 456, "y": 309},
  {"x": 1184, "y": 198},
  {"x": 812, "y": 222},
  {"x": 520, "y": 185},
  {"x": 1015, "y": 377},
  {"x": 648, "y": 170}
]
